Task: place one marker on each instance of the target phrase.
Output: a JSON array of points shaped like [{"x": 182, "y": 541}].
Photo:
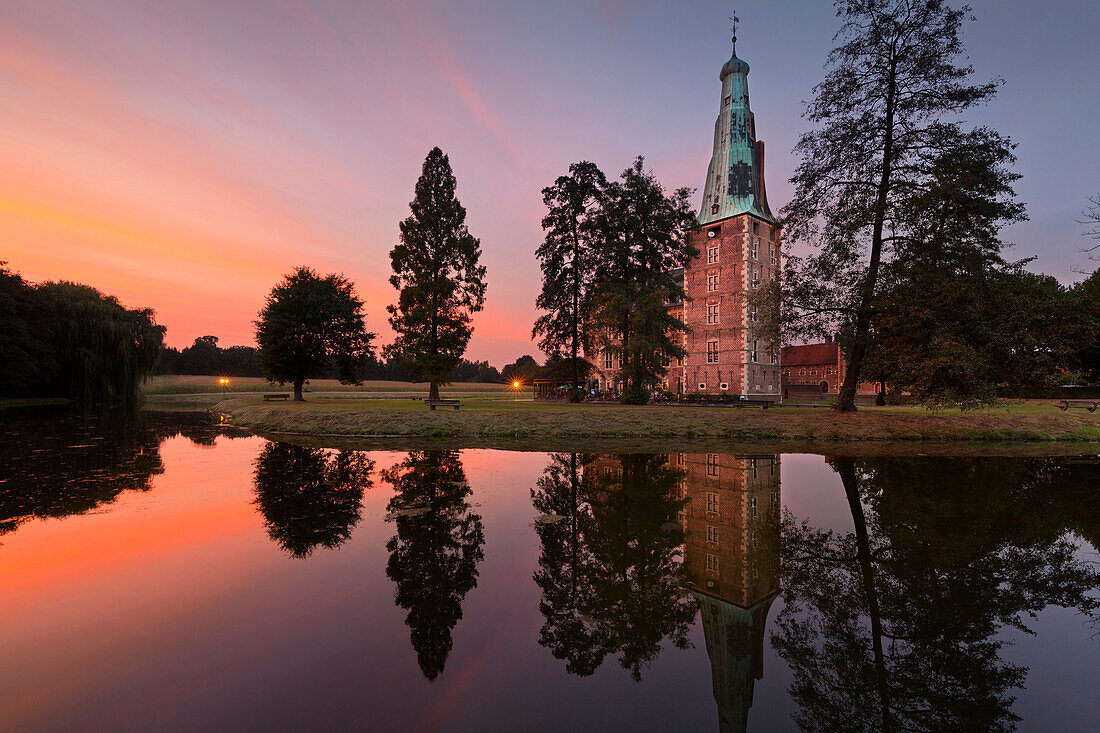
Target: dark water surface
[{"x": 160, "y": 574}]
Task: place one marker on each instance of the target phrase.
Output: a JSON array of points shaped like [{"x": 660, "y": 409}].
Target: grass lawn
[
  {"x": 499, "y": 416},
  {"x": 182, "y": 384}
]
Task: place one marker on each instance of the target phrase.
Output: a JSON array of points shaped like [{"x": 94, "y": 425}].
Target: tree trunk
[
  {"x": 433, "y": 391},
  {"x": 847, "y": 470},
  {"x": 846, "y": 401},
  {"x": 298, "y": 390}
]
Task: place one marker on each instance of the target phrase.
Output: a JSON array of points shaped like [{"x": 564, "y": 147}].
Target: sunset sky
[{"x": 184, "y": 155}]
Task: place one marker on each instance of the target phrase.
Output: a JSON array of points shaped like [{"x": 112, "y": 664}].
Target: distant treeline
[
  {"x": 61, "y": 339},
  {"x": 205, "y": 357}
]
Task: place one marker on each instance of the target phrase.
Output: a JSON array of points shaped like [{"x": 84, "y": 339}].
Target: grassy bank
[
  {"x": 187, "y": 384},
  {"x": 487, "y": 422}
]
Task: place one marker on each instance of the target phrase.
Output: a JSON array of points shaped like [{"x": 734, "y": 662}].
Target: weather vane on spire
[{"x": 734, "y": 20}]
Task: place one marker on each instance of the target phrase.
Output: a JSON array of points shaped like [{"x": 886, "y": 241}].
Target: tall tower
[{"x": 738, "y": 243}]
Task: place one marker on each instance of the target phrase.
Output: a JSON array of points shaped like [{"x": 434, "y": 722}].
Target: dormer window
[{"x": 725, "y": 103}]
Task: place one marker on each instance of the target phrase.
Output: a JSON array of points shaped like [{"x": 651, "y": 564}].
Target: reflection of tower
[{"x": 731, "y": 553}]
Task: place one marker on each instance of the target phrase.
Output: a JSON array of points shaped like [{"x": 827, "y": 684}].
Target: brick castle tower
[{"x": 738, "y": 243}]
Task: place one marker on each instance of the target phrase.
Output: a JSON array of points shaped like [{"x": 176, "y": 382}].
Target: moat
[{"x": 159, "y": 572}]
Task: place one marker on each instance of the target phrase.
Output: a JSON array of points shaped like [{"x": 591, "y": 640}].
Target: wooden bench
[
  {"x": 277, "y": 396},
  {"x": 432, "y": 404},
  {"x": 1089, "y": 405},
  {"x": 762, "y": 404}
]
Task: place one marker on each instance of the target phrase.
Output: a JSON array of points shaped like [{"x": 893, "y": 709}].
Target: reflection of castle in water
[{"x": 731, "y": 553}]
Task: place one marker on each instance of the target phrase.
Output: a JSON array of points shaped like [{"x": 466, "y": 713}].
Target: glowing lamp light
[{"x": 515, "y": 384}]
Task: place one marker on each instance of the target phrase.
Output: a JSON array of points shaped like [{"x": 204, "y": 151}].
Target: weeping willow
[{"x": 87, "y": 346}]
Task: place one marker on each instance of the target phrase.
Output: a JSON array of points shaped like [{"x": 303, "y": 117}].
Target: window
[
  {"x": 679, "y": 361},
  {"x": 772, "y": 250},
  {"x": 756, "y": 227},
  {"x": 724, "y": 386},
  {"x": 753, "y": 354},
  {"x": 754, "y": 247},
  {"x": 753, "y": 505},
  {"x": 607, "y": 361},
  {"x": 755, "y": 278},
  {"x": 712, "y": 534},
  {"x": 712, "y": 352},
  {"x": 680, "y": 462},
  {"x": 752, "y": 313},
  {"x": 712, "y": 313},
  {"x": 712, "y": 255},
  {"x": 712, "y": 282},
  {"x": 712, "y": 502},
  {"x": 714, "y": 209},
  {"x": 712, "y": 563},
  {"x": 727, "y": 100},
  {"x": 712, "y": 466},
  {"x": 702, "y": 386}
]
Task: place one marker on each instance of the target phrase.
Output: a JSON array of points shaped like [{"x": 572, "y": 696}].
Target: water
[{"x": 158, "y": 573}]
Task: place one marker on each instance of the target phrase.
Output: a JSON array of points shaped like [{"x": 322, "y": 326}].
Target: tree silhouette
[
  {"x": 439, "y": 278},
  {"x": 610, "y": 572},
  {"x": 894, "y": 625},
  {"x": 310, "y": 497},
  {"x": 434, "y": 555}
]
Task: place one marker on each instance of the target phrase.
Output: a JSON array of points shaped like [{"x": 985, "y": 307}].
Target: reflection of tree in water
[
  {"x": 54, "y": 463},
  {"x": 310, "y": 497},
  {"x": 59, "y": 465},
  {"x": 894, "y": 625},
  {"x": 434, "y": 555},
  {"x": 609, "y": 569}
]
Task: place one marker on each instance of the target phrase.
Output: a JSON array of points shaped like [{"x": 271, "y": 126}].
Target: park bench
[
  {"x": 1089, "y": 405},
  {"x": 277, "y": 396},
  {"x": 762, "y": 404},
  {"x": 432, "y": 404}
]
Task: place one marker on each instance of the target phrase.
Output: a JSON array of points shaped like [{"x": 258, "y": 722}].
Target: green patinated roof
[{"x": 735, "y": 176}]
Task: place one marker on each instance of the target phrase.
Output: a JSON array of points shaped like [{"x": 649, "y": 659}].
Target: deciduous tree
[
  {"x": 440, "y": 281},
  {"x": 883, "y": 121},
  {"x": 310, "y": 324}
]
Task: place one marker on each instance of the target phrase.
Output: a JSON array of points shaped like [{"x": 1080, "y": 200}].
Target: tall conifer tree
[
  {"x": 641, "y": 238},
  {"x": 882, "y": 116},
  {"x": 440, "y": 281},
  {"x": 567, "y": 259}
]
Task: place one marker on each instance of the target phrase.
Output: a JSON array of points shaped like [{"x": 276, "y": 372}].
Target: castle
[{"x": 737, "y": 238}]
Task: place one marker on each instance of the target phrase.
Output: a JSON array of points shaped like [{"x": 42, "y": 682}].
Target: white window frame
[
  {"x": 713, "y": 505},
  {"x": 712, "y": 354},
  {"x": 712, "y": 255}
]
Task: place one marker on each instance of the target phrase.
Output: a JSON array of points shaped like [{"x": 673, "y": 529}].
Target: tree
[
  {"x": 435, "y": 553},
  {"x": 897, "y": 624},
  {"x": 310, "y": 497},
  {"x": 92, "y": 348},
  {"x": 881, "y": 115},
  {"x": 1092, "y": 220},
  {"x": 438, "y": 277},
  {"x": 640, "y": 238},
  {"x": 309, "y": 324},
  {"x": 567, "y": 261},
  {"x": 21, "y": 352},
  {"x": 524, "y": 370},
  {"x": 959, "y": 321}
]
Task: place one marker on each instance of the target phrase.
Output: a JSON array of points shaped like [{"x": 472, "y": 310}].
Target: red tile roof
[{"x": 810, "y": 354}]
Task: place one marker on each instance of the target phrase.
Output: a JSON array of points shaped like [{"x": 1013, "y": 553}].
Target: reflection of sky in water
[{"x": 172, "y": 609}]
